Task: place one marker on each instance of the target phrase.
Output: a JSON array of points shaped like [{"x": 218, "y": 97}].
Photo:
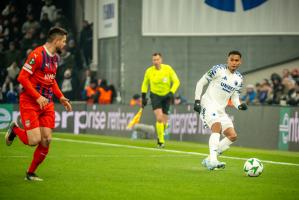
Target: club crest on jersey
[
  {"x": 32, "y": 61},
  {"x": 211, "y": 73},
  {"x": 49, "y": 76},
  {"x": 27, "y": 123}
]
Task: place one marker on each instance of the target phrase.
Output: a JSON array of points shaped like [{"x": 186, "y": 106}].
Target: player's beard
[
  {"x": 58, "y": 50},
  {"x": 232, "y": 69}
]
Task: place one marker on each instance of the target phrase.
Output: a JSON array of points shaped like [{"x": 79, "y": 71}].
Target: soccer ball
[{"x": 253, "y": 167}]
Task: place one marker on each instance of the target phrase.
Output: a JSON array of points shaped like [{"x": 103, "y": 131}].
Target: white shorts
[{"x": 210, "y": 115}]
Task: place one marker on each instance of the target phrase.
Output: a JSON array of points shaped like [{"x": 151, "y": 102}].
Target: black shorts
[{"x": 160, "y": 102}]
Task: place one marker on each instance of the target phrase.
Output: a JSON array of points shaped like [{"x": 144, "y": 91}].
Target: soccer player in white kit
[{"x": 225, "y": 83}]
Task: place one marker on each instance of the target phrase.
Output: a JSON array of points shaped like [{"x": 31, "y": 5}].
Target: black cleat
[
  {"x": 10, "y": 135},
  {"x": 32, "y": 177},
  {"x": 160, "y": 145}
]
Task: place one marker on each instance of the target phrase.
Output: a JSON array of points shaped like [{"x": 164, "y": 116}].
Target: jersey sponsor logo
[
  {"x": 27, "y": 123},
  {"x": 164, "y": 80},
  {"x": 49, "y": 76},
  {"x": 227, "y": 87}
]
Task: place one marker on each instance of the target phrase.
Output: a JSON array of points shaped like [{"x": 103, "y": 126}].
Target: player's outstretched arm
[
  {"x": 199, "y": 87},
  {"x": 198, "y": 91},
  {"x": 42, "y": 101},
  {"x": 66, "y": 103},
  {"x": 24, "y": 79},
  {"x": 63, "y": 100},
  {"x": 175, "y": 81},
  {"x": 236, "y": 101}
]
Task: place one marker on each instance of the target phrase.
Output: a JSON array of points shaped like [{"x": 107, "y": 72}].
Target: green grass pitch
[{"x": 89, "y": 167}]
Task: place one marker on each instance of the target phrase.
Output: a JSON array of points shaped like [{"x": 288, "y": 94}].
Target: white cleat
[
  {"x": 211, "y": 165},
  {"x": 204, "y": 161}
]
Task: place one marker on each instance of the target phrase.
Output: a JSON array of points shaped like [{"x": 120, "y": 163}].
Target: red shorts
[{"x": 32, "y": 116}]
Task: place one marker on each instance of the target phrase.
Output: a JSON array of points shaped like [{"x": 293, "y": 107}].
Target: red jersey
[{"x": 38, "y": 75}]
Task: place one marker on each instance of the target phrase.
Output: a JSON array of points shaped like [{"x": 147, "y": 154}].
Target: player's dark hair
[
  {"x": 54, "y": 32},
  {"x": 235, "y": 53},
  {"x": 157, "y": 54}
]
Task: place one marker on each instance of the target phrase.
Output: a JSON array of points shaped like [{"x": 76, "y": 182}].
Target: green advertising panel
[
  {"x": 284, "y": 128},
  {"x": 5, "y": 115}
]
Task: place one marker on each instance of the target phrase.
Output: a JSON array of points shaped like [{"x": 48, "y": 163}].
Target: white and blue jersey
[{"x": 223, "y": 85}]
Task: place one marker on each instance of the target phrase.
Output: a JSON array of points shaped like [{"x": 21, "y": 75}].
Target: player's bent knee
[
  {"x": 48, "y": 141},
  {"x": 233, "y": 137},
  {"x": 216, "y": 127},
  {"x": 34, "y": 141}
]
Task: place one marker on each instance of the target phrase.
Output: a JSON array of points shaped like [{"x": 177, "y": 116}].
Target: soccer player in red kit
[{"x": 36, "y": 103}]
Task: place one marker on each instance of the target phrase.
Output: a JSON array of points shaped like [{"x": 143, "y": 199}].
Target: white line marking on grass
[
  {"x": 122, "y": 156},
  {"x": 101, "y": 156},
  {"x": 13, "y": 156},
  {"x": 166, "y": 150}
]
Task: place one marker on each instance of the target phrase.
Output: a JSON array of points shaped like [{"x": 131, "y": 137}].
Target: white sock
[
  {"x": 224, "y": 145},
  {"x": 213, "y": 145}
]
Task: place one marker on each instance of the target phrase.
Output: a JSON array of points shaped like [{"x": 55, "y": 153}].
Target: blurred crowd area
[
  {"x": 277, "y": 89},
  {"x": 24, "y": 26}
]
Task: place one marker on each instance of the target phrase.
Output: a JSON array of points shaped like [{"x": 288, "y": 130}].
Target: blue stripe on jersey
[
  {"x": 44, "y": 61},
  {"x": 48, "y": 61},
  {"x": 212, "y": 72},
  {"x": 53, "y": 63},
  {"x": 43, "y": 92},
  {"x": 47, "y": 93},
  {"x": 50, "y": 95},
  {"x": 38, "y": 88},
  {"x": 239, "y": 74}
]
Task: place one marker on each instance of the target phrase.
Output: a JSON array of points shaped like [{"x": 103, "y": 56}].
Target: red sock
[
  {"x": 21, "y": 133},
  {"x": 38, "y": 157}
]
